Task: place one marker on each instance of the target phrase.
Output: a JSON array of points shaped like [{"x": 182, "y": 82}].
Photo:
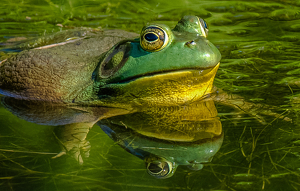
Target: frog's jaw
[{"x": 173, "y": 88}]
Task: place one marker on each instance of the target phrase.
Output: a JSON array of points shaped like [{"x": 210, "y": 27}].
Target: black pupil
[
  {"x": 151, "y": 37},
  {"x": 154, "y": 168}
]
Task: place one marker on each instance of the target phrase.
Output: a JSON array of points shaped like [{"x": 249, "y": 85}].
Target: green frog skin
[{"x": 161, "y": 67}]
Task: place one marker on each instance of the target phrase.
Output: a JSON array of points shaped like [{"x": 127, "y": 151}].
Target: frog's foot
[
  {"x": 80, "y": 151},
  {"x": 77, "y": 151},
  {"x": 72, "y": 139}
]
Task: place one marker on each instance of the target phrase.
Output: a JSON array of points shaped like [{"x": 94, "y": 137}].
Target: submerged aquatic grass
[
  {"x": 259, "y": 42},
  {"x": 252, "y": 156}
]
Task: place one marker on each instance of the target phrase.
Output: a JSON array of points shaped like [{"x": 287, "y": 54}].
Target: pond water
[{"x": 256, "y": 149}]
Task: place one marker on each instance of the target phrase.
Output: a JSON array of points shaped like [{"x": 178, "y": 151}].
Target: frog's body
[
  {"x": 163, "y": 67},
  {"x": 56, "y": 74}
]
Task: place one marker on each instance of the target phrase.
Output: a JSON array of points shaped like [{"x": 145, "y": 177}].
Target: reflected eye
[
  {"x": 160, "y": 169},
  {"x": 204, "y": 27},
  {"x": 153, "y": 38}
]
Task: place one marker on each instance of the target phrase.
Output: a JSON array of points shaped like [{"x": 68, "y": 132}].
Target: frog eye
[
  {"x": 204, "y": 27},
  {"x": 153, "y": 38},
  {"x": 160, "y": 169}
]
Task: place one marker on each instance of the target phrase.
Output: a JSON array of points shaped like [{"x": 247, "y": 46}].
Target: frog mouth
[
  {"x": 166, "y": 73},
  {"x": 171, "y": 88}
]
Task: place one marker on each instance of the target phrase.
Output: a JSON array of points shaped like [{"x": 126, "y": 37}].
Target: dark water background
[{"x": 260, "y": 46}]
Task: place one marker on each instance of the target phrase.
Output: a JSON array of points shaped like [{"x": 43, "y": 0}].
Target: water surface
[{"x": 260, "y": 46}]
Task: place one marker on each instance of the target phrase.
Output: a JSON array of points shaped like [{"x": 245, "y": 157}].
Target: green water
[{"x": 260, "y": 46}]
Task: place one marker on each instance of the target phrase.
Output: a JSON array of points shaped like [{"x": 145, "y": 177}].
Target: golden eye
[{"x": 153, "y": 38}]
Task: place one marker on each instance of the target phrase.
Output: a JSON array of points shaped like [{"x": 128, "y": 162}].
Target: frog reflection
[
  {"x": 73, "y": 123},
  {"x": 166, "y": 137},
  {"x": 185, "y": 135}
]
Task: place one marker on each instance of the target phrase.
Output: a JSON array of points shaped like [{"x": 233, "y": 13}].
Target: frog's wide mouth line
[{"x": 153, "y": 75}]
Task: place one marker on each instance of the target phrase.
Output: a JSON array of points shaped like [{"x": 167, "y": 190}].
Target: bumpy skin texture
[{"x": 57, "y": 74}]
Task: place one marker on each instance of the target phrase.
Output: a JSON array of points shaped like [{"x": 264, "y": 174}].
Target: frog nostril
[{"x": 190, "y": 43}]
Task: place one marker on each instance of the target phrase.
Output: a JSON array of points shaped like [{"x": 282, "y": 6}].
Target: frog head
[{"x": 162, "y": 66}]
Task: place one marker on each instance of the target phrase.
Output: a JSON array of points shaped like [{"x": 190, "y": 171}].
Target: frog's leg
[{"x": 72, "y": 138}]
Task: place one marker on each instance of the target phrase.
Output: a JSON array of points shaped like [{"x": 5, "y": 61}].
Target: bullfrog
[{"x": 161, "y": 67}]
